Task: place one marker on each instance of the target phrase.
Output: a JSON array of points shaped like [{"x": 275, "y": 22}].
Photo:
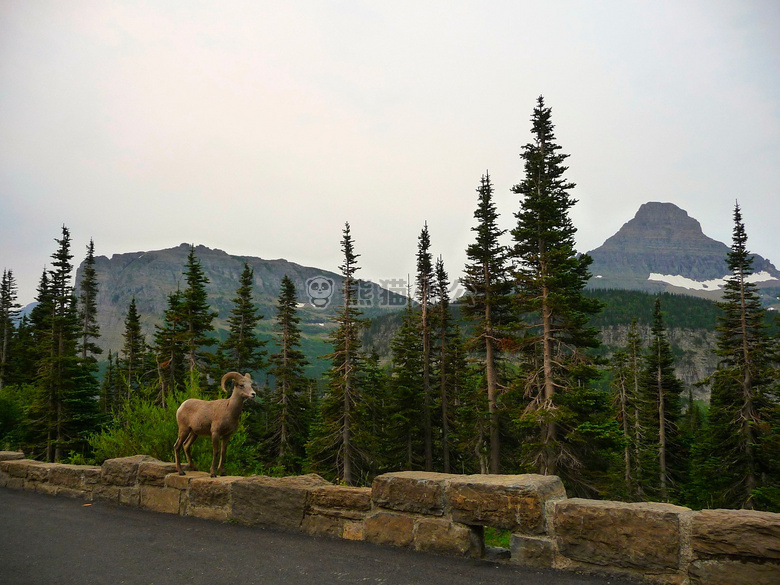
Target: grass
[{"x": 497, "y": 538}]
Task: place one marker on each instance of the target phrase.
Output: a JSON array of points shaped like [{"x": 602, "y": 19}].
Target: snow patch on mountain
[{"x": 714, "y": 284}]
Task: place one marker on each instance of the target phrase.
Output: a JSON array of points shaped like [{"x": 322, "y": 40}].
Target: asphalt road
[{"x": 54, "y": 540}]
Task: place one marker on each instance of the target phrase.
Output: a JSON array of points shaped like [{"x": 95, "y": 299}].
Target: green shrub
[{"x": 143, "y": 427}]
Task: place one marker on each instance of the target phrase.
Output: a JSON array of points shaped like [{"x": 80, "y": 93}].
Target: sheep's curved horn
[{"x": 230, "y": 376}]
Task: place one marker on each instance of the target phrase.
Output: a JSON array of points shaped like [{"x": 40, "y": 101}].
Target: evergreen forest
[{"x": 509, "y": 378}]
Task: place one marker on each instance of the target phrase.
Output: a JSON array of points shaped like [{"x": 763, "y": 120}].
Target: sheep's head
[{"x": 242, "y": 385}]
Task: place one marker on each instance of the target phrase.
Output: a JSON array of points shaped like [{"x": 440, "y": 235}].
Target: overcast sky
[{"x": 261, "y": 127}]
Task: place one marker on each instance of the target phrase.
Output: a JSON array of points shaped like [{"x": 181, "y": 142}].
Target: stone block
[
  {"x": 511, "y": 502},
  {"x": 389, "y": 528},
  {"x": 536, "y": 552},
  {"x": 208, "y": 513},
  {"x": 320, "y": 525},
  {"x": 11, "y": 455},
  {"x": 339, "y": 497},
  {"x": 182, "y": 482},
  {"x": 211, "y": 492},
  {"x": 441, "y": 536},
  {"x": 19, "y": 467},
  {"x": 280, "y": 502},
  {"x": 123, "y": 471},
  {"x": 733, "y": 572},
  {"x": 4, "y": 477},
  {"x": 44, "y": 488},
  {"x": 154, "y": 472},
  {"x": 15, "y": 483},
  {"x": 352, "y": 530},
  {"x": 40, "y": 472},
  {"x": 746, "y": 533},
  {"x": 160, "y": 499},
  {"x": 411, "y": 491},
  {"x": 130, "y": 496},
  {"x": 109, "y": 493},
  {"x": 71, "y": 493},
  {"x": 77, "y": 477},
  {"x": 633, "y": 536}
]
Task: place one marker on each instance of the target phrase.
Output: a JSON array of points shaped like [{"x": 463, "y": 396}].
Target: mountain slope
[
  {"x": 151, "y": 276},
  {"x": 664, "y": 249}
]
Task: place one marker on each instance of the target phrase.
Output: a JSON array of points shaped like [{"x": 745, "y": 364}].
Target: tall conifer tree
[
  {"x": 550, "y": 277},
  {"x": 70, "y": 405},
  {"x": 170, "y": 346},
  {"x": 133, "y": 350},
  {"x": 89, "y": 330},
  {"x": 9, "y": 313},
  {"x": 288, "y": 412},
  {"x": 487, "y": 304},
  {"x": 743, "y": 405},
  {"x": 333, "y": 441},
  {"x": 198, "y": 317},
  {"x": 661, "y": 390},
  {"x": 405, "y": 402},
  {"x": 242, "y": 350},
  {"x": 425, "y": 295}
]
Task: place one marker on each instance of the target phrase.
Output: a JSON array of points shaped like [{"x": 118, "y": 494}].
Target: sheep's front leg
[
  {"x": 177, "y": 447},
  {"x": 214, "y": 449},
  {"x": 222, "y": 452}
]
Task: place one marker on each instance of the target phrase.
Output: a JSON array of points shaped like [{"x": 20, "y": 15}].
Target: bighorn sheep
[{"x": 217, "y": 418}]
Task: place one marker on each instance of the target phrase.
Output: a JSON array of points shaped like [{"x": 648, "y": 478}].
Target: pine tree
[
  {"x": 198, "y": 317},
  {"x": 87, "y": 388},
  {"x": 108, "y": 397},
  {"x": 550, "y": 277},
  {"x": 333, "y": 439},
  {"x": 636, "y": 429},
  {"x": 487, "y": 303},
  {"x": 450, "y": 362},
  {"x": 425, "y": 286},
  {"x": 742, "y": 402},
  {"x": 133, "y": 350},
  {"x": 88, "y": 324},
  {"x": 68, "y": 402},
  {"x": 170, "y": 346},
  {"x": 9, "y": 313},
  {"x": 243, "y": 351},
  {"x": 22, "y": 354},
  {"x": 289, "y": 410},
  {"x": 405, "y": 431},
  {"x": 372, "y": 411},
  {"x": 661, "y": 390}
]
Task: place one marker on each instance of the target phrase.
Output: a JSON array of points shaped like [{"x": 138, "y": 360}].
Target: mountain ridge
[
  {"x": 150, "y": 276},
  {"x": 663, "y": 249}
]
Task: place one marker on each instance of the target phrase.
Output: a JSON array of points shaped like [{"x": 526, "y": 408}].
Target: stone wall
[{"x": 445, "y": 514}]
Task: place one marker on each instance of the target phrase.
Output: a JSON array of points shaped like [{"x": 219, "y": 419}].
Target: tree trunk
[
  {"x": 427, "y": 425},
  {"x": 661, "y": 428},
  {"x": 626, "y": 433},
  {"x": 445, "y": 424},
  {"x": 490, "y": 370},
  {"x": 748, "y": 409},
  {"x": 549, "y": 431}
]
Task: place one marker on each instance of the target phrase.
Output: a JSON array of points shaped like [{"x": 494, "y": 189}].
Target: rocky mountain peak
[{"x": 663, "y": 248}]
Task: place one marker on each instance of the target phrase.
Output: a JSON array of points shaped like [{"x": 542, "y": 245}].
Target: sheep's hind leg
[
  {"x": 177, "y": 448},
  {"x": 187, "y": 446}
]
